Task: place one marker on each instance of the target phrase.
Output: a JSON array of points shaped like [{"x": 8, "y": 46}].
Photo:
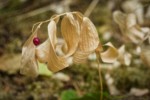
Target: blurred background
[{"x": 126, "y": 79}]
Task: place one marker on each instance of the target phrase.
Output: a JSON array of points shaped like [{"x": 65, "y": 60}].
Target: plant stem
[
  {"x": 41, "y": 22},
  {"x": 91, "y": 7},
  {"x": 100, "y": 75}
]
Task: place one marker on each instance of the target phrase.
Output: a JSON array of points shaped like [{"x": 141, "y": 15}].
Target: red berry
[{"x": 36, "y": 41}]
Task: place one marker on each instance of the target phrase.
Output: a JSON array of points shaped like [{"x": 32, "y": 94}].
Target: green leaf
[
  {"x": 89, "y": 96},
  {"x": 43, "y": 70},
  {"x": 68, "y": 95},
  {"x": 95, "y": 96}
]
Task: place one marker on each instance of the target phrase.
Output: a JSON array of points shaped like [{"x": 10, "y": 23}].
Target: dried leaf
[
  {"x": 131, "y": 20},
  {"x": 137, "y": 9},
  {"x": 55, "y": 63},
  {"x": 128, "y": 26},
  {"x": 61, "y": 76},
  {"x": 46, "y": 52},
  {"x": 80, "y": 57},
  {"x": 124, "y": 56},
  {"x": 70, "y": 32},
  {"x": 30, "y": 68},
  {"x": 78, "y": 18},
  {"x": 120, "y": 19},
  {"x": 135, "y": 35},
  {"x": 111, "y": 86},
  {"x": 42, "y": 51},
  {"x": 110, "y": 55},
  {"x": 29, "y": 64},
  {"x": 88, "y": 40},
  {"x": 139, "y": 92},
  {"x": 137, "y": 32}
]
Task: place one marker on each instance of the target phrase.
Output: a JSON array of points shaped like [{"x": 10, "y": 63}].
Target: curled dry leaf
[
  {"x": 70, "y": 32},
  {"x": 80, "y": 40},
  {"x": 54, "y": 62},
  {"x": 110, "y": 55},
  {"x": 120, "y": 19},
  {"x": 29, "y": 64},
  {"x": 88, "y": 41},
  {"x": 89, "y": 37}
]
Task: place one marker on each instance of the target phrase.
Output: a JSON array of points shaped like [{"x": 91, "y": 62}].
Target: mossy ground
[{"x": 86, "y": 78}]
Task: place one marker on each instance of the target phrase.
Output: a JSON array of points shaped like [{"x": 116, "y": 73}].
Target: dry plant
[
  {"x": 135, "y": 33},
  {"x": 81, "y": 39},
  {"x": 129, "y": 27}
]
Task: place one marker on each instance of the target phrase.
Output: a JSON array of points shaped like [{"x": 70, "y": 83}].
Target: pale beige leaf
[
  {"x": 42, "y": 51},
  {"x": 78, "y": 18},
  {"x": 70, "y": 31},
  {"x": 30, "y": 68},
  {"x": 61, "y": 76},
  {"x": 64, "y": 48},
  {"x": 80, "y": 57},
  {"x": 88, "y": 40},
  {"x": 139, "y": 92},
  {"x": 124, "y": 57},
  {"x": 110, "y": 83},
  {"x": 120, "y": 19},
  {"x": 110, "y": 55},
  {"x": 55, "y": 63},
  {"x": 131, "y": 20},
  {"x": 133, "y": 38},
  {"x": 136, "y": 7},
  {"x": 46, "y": 52},
  {"x": 29, "y": 65},
  {"x": 135, "y": 34},
  {"x": 80, "y": 15},
  {"x": 128, "y": 26}
]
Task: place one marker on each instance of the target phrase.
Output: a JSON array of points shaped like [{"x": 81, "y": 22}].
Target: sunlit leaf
[{"x": 43, "y": 70}]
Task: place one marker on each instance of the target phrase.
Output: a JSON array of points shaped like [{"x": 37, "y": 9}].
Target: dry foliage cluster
[
  {"x": 132, "y": 33},
  {"x": 80, "y": 40}
]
